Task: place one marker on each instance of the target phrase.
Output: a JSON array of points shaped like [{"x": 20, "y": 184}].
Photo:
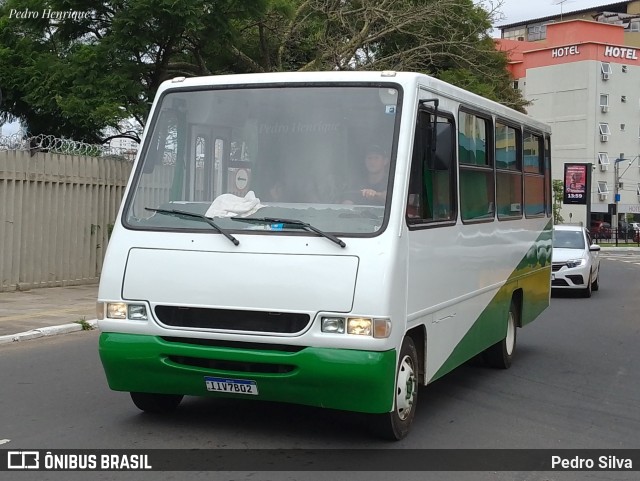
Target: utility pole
[{"x": 616, "y": 185}]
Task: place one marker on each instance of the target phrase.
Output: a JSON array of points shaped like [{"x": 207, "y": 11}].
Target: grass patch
[{"x": 85, "y": 325}]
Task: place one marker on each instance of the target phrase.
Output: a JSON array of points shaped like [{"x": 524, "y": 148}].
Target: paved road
[{"x": 574, "y": 384}]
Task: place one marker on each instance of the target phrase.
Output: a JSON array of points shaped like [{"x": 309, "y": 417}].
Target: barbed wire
[{"x": 50, "y": 143}]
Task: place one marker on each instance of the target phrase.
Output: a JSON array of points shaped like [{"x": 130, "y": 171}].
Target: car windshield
[
  {"x": 315, "y": 154},
  {"x": 568, "y": 239}
]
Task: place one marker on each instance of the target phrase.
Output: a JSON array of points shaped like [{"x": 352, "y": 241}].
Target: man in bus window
[{"x": 372, "y": 187}]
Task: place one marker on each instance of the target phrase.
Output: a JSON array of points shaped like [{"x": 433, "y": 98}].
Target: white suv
[{"x": 575, "y": 260}]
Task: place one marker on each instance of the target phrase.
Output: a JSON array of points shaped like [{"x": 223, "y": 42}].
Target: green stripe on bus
[{"x": 533, "y": 276}]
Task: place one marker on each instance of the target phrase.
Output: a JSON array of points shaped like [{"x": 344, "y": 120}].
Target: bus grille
[
  {"x": 232, "y": 320},
  {"x": 234, "y": 366}
]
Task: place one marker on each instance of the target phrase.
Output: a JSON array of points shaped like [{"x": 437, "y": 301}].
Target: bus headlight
[
  {"x": 137, "y": 312},
  {"x": 360, "y": 326},
  {"x": 116, "y": 310},
  {"x": 333, "y": 325},
  {"x": 121, "y": 310}
]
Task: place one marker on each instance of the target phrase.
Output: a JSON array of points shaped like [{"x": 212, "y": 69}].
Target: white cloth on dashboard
[{"x": 229, "y": 205}]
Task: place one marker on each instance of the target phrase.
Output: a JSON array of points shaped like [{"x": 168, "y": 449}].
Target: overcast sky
[{"x": 517, "y": 10}]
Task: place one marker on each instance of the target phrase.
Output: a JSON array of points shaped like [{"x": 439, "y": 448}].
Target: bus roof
[{"x": 406, "y": 79}]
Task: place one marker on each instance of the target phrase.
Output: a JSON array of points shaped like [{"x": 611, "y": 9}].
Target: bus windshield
[{"x": 320, "y": 155}]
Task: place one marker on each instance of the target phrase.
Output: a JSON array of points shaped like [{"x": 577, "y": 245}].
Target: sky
[{"x": 518, "y": 10}]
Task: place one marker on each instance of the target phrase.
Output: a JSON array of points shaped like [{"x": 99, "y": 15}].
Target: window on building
[
  {"x": 604, "y": 100},
  {"x": 536, "y": 32},
  {"x": 603, "y": 160},
  {"x": 624, "y": 69},
  {"x": 623, "y": 98},
  {"x": 605, "y": 67},
  {"x": 604, "y": 128},
  {"x": 603, "y": 188},
  {"x": 623, "y": 127},
  {"x": 515, "y": 33}
]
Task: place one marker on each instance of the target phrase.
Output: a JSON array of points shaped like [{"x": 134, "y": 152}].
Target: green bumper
[{"x": 361, "y": 381}]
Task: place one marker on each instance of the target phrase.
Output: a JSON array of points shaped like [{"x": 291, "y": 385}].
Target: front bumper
[
  {"x": 570, "y": 278},
  {"x": 351, "y": 380}
]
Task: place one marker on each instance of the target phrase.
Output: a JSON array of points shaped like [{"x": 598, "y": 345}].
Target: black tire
[
  {"x": 587, "y": 290},
  {"x": 500, "y": 355},
  {"x": 595, "y": 285},
  {"x": 396, "y": 424},
  {"x": 156, "y": 403}
]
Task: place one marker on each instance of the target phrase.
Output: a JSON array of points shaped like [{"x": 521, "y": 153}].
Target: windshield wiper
[
  {"x": 182, "y": 213},
  {"x": 291, "y": 223}
]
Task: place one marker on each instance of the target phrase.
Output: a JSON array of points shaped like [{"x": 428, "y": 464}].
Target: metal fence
[{"x": 56, "y": 210}]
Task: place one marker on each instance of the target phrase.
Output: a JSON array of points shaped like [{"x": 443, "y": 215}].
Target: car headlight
[{"x": 576, "y": 263}]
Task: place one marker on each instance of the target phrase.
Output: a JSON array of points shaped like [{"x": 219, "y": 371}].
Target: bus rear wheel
[
  {"x": 500, "y": 355},
  {"x": 395, "y": 425},
  {"x": 156, "y": 403}
]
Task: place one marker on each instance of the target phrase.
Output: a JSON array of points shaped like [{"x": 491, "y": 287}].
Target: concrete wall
[{"x": 56, "y": 212}]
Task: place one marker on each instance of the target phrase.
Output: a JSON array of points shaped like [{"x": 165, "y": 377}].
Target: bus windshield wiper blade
[
  {"x": 291, "y": 222},
  {"x": 183, "y": 213}
]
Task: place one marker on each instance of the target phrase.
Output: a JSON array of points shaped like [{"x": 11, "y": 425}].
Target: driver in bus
[{"x": 372, "y": 188}]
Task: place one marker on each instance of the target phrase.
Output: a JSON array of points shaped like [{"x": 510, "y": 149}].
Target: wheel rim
[
  {"x": 406, "y": 388},
  {"x": 511, "y": 334}
]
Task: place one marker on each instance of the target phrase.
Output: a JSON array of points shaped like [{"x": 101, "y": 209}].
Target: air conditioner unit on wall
[
  {"x": 604, "y": 108},
  {"x": 604, "y": 138},
  {"x": 605, "y": 76},
  {"x": 604, "y": 167},
  {"x": 602, "y": 195}
]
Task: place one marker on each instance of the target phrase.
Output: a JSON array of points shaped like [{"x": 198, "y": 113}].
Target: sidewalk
[{"x": 46, "y": 311}]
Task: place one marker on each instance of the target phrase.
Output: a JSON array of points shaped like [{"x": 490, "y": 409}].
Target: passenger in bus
[{"x": 372, "y": 187}]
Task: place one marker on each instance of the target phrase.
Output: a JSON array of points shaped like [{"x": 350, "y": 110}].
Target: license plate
[{"x": 231, "y": 386}]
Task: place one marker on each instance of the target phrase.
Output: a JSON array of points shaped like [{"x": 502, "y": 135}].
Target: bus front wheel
[
  {"x": 156, "y": 403},
  {"x": 500, "y": 355},
  {"x": 395, "y": 425}
]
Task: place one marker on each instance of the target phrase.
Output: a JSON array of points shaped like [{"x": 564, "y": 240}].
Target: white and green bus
[{"x": 261, "y": 253}]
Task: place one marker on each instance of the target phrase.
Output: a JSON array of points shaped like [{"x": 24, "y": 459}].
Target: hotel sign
[
  {"x": 565, "y": 51},
  {"x": 609, "y": 51},
  {"x": 621, "y": 52}
]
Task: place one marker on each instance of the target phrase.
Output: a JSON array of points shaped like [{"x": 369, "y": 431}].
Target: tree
[
  {"x": 76, "y": 77},
  {"x": 558, "y": 197}
]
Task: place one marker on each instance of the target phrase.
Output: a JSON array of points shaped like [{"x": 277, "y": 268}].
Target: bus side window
[{"x": 432, "y": 179}]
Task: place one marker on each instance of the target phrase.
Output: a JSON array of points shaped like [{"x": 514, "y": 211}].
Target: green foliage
[
  {"x": 558, "y": 196},
  {"x": 75, "y": 77}
]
